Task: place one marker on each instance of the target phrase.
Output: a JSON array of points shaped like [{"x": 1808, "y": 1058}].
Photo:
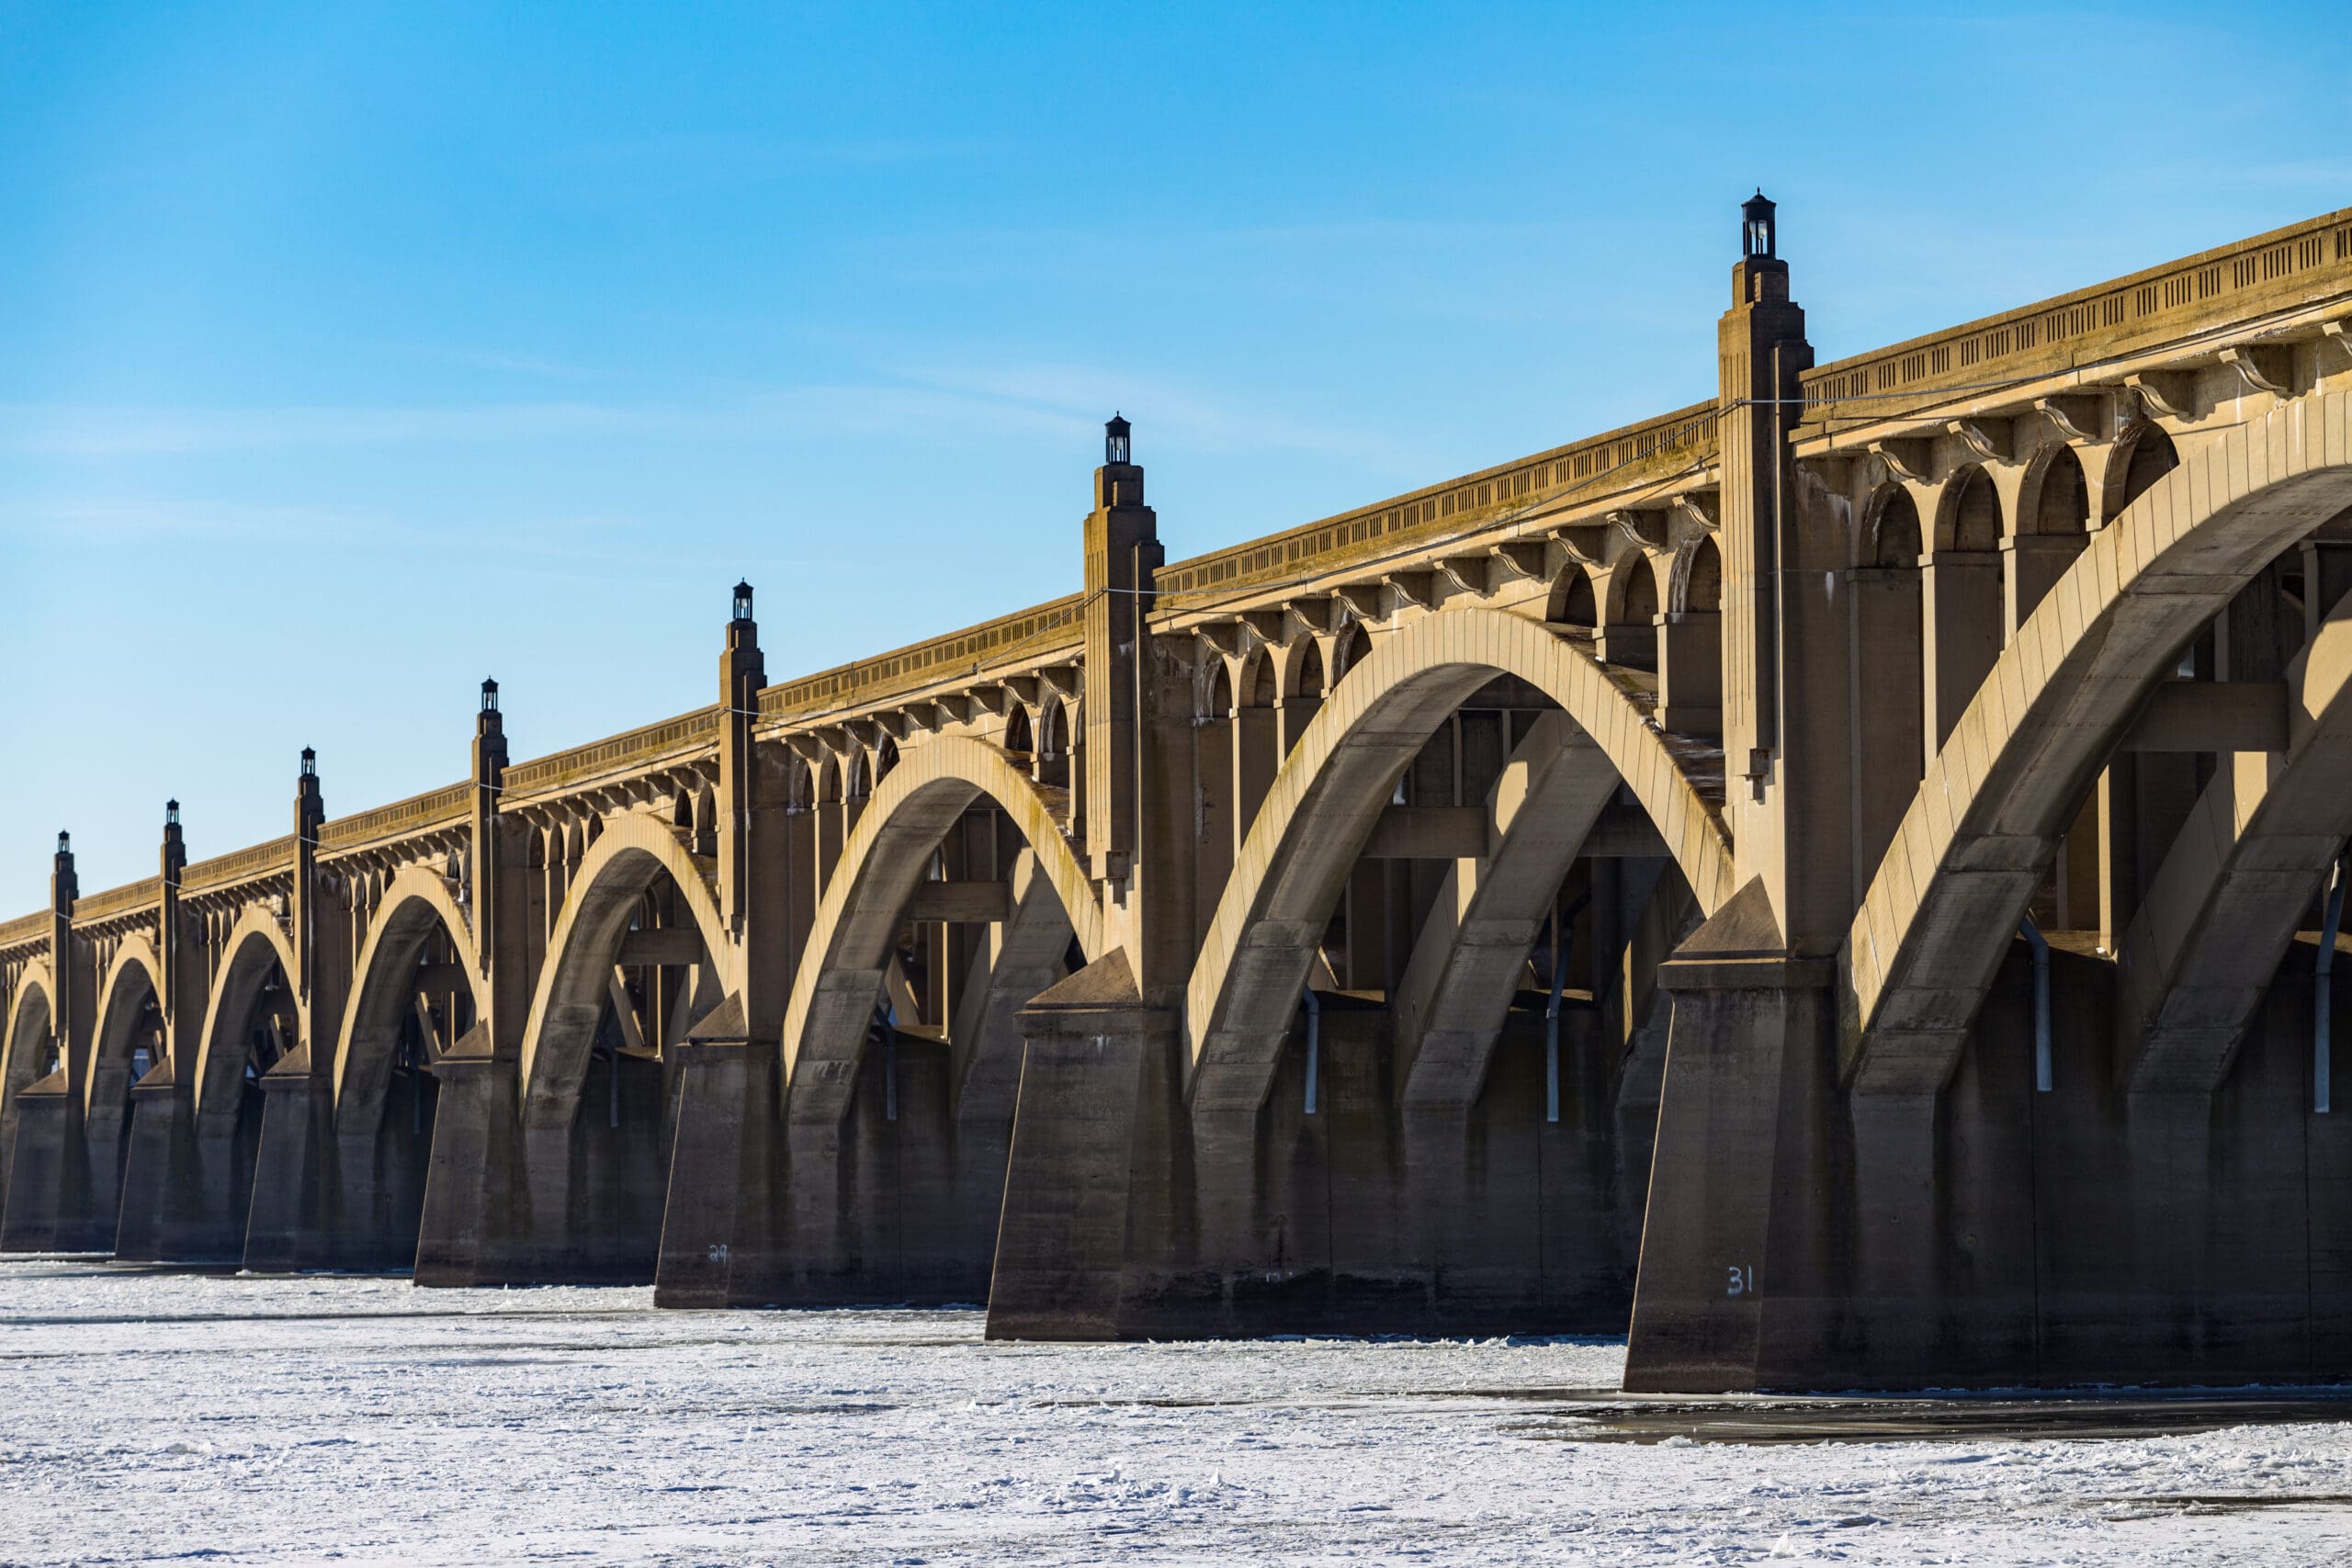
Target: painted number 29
[{"x": 1741, "y": 1283}]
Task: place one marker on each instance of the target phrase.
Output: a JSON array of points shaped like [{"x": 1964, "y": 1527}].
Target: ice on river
[{"x": 149, "y": 1416}]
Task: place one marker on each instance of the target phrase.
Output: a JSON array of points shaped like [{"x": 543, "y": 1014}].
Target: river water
[{"x": 159, "y": 1416}]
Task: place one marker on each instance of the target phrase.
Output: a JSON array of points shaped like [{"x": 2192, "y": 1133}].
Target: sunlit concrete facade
[{"x": 1843, "y": 877}]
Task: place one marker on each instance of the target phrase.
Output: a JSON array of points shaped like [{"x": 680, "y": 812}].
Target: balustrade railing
[
  {"x": 628, "y": 748},
  {"x": 2209, "y": 292},
  {"x": 240, "y": 866},
  {"x": 434, "y": 809},
  {"x": 128, "y": 898},
  {"x": 1602, "y": 465},
  {"x": 1035, "y": 635}
]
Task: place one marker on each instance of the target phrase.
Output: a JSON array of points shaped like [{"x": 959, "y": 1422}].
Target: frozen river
[{"x": 149, "y": 1416}]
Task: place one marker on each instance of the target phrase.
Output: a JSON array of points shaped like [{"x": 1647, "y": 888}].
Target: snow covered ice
[{"x": 155, "y": 1417}]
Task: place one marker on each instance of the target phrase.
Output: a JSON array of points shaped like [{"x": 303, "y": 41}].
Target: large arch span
[
  {"x": 842, "y": 967},
  {"x": 1948, "y": 898},
  {"x": 1332, "y": 789},
  {"x": 131, "y": 981},
  {"x": 252, "y": 946},
  {"x": 416, "y": 904},
  {"x": 633, "y": 852}
]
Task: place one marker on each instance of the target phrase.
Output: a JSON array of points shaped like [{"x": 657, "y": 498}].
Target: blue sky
[{"x": 354, "y": 352}]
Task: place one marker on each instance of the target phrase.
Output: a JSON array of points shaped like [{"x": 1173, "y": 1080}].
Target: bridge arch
[
  {"x": 1891, "y": 527},
  {"x": 131, "y": 981},
  {"x": 2144, "y": 452},
  {"x": 1698, "y": 582},
  {"x": 24, "y": 1050},
  {"x": 1451, "y": 1000},
  {"x": 843, "y": 965},
  {"x": 631, "y": 853},
  {"x": 1946, "y": 898},
  {"x": 1969, "y": 515},
  {"x": 254, "y": 948},
  {"x": 31, "y": 1024},
  {"x": 1261, "y": 944},
  {"x": 415, "y": 904},
  {"x": 1633, "y": 589},
  {"x": 2055, "y": 497}
]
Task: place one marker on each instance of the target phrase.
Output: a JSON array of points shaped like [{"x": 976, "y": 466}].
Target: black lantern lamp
[
  {"x": 1116, "y": 448},
  {"x": 742, "y": 601},
  {"x": 1755, "y": 227},
  {"x": 171, "y": 814},
  {"x": 310, "y": 763},
  {"x": 489, "y": 695},
  {"x": 64, "y": 843}
]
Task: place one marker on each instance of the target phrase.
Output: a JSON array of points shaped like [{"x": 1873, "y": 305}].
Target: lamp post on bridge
[{"x": 171, "y": 861}]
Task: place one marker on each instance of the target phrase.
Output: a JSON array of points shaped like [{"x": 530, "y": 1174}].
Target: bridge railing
[
  {"x": 239, "y": 866},
  {"x": 418, "y": 813},
  {"x": 128, "y": 898},
  {"x": 1035, "y": 635},
  {"x": 2207, "y": 292},
  {"x": 1607, "y": 464},
  {"x": 631, "y": 748},
  {"x": 25, "y": 929}
]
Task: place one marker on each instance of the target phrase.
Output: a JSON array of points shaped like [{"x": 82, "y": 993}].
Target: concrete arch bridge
[{"x": 1843, "y": 878}]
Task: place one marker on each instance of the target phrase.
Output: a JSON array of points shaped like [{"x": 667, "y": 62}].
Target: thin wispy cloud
[
  {"x": 90, "y": 519},
  {"x": 76, "y": 432},
  {"x": 1054, "y": 402},
  {"x": 1202, "y": 421}
]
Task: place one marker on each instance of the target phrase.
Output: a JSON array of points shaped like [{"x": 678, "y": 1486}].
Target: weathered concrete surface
[
  {"x": 188, "y": 1183},
  {"x": 1302, "y": 935},
  {"x": 1126, "y": 1216}
]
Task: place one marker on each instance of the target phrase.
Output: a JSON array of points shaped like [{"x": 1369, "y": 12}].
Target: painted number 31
[{"x": 1741, "y": 1283}]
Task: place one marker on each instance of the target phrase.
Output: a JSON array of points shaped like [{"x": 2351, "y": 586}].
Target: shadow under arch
[
  {"x": 2144, "y": 454},
  {"x": 1246, "y": 983},
  {"x": 134, "y": 979},
  {"x": 31, "y": 1023},
  {"x": 25, "y": 1051},
  {"x": 188, "y": 1186},
  {"x": 376, "y": 1160},
  {"x": 124, "y": 1046},
  {"x": 255, "y": 951}
]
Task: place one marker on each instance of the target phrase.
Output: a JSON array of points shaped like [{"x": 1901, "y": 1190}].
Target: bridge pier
[
  {"x": 1093, "y": 1199},
  {"x": 887, "y": 1202},
  {"x": 471, "y": 1191},
  {"x": 187, "y": 1184},
  {"x": 44, "y": 1182},
  {"x": 64, "y": 1192},
  {"x": 1804, "y": 1236},
  {"x": 292, "y": 1221},
  {"x": 720, "y": 1223},
  {"x": 1128, "y": 1216}
]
